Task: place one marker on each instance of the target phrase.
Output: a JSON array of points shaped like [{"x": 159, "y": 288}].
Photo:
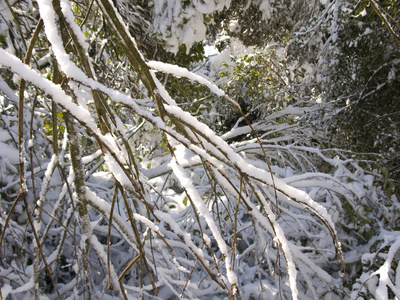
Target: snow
[
  {"x": 316, "y": 269},
  {"x": 89, "y": 158},
  {"x": 214, "y": 175},
  {"x": 181, "y": 23},
  {"x": 221, "y": 63},
  {"x": 7, "y": 91},
  {"x": 50, "y": 88},
  {"x": 273, "y": 227},
  {"x": 383, "y": 272},
  {"x": 47, "y": 13},
  {"x": 192, "y": 192},
  {"x": 234, "y": 26},
  {"x": 119, "y": 223},
  {"x": 26, "y": 287},
  {"x": 66, "y": 10},
  {"x": 115, "y": 169},
  {"x": 178, "y": 231},
  {"x": 5, "y": 290},
  {"x": 61, "y": 98},
  {"x": 101, "y": 254},
  {"x": 210, "y": 51},
  {"x": 47, "y": 176},
  {"x": 266, "y": 9},
  {"x": 183, "y": 72},
  {"x": 250, "y": 170},
  {"x": 8, "y": 152}
]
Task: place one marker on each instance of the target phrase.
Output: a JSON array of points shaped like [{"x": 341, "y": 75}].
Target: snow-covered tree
[{"x": 198, "y": 149}]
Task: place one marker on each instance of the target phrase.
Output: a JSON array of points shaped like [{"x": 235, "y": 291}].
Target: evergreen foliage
[{"x": 199, "y": 149}]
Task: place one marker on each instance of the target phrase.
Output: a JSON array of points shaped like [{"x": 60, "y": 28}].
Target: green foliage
[
  {"x": 187, "y": 57},
  {"x": 192, "y": 97},
  {"x": 259, "y": 85},
  {"x": 48, "y": 126},
  {"x": 366, "y": 78},
  {"x": 2, "y": 41},
  {"x": 257, "y": 78},
  {"x": 149, "y": 156}
]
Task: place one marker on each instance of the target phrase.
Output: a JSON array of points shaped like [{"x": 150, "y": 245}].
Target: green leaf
[
  {"x": 385, "y": 172},
  {"x": 185, "y": 201}
]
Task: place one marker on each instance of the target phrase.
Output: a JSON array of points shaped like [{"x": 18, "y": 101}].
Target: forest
[{"x": 199, "y": 149}]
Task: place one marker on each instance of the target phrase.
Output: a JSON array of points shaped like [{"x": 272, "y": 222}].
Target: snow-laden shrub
[{"x": 123, "y": 194}]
